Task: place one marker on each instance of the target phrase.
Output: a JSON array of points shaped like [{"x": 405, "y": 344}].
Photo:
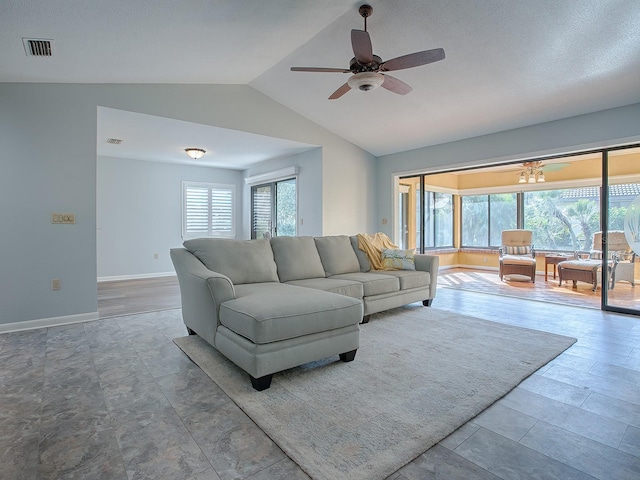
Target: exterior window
[
  {"x": 563, "y": 219},
  {"x": 274, "y": 209},
  {"x": 438, "y": 221},
  {"x": 208, "y": 210},
  {"x": 484, "y": 217},
  {"x": 567, "y": 219}
]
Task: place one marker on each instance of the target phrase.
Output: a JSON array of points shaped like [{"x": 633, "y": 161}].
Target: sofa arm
[
  {"x": 201, "y": 291},
  {"x": 429, "y": 263}
]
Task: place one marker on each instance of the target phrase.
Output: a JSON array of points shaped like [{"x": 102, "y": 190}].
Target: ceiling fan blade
[
  {"x": 319, "y": 69},
  {"x": 413, "y": 60},
  {"x": 554, "y": 167},
  {"x": 340, "y": 92},
  {"x": 362, "y": 49},
  {"x": 396, "y": 86}
]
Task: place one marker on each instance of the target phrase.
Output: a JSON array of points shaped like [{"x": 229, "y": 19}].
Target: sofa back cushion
[
  {"x": 363, "y": 260},
  {"x": 337, "y": 255},
  {"x": 243, "y": 261},
  {"x": 297, "y": 258}
]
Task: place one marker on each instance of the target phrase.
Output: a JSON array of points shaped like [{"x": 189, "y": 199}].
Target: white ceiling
[
  {"x": 159, "y": 139},
  {"x": 508, "y": 63}
]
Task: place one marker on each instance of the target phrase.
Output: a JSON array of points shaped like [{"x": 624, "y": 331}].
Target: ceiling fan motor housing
[{"x": 365, "y": 81}]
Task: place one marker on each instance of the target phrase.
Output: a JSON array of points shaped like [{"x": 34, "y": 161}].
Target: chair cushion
[
  {"x": 297, "y": 258},
  {"x": 517, "y": 237},
  {"x": 517, "y": 250},
  {"x": 584, "y": 264},
  {"x": 243, "y": 261},
  {"x": 517, "y": 260},
  {"x": 279, "y": 312},
  {"x": 337, "y": 255}
]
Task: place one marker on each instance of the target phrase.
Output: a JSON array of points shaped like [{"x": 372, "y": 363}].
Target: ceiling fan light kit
[
  {"x": 367, "y": 68},
  {"x": 365, "y": 81},
  {"x": 532, "y": 173}
]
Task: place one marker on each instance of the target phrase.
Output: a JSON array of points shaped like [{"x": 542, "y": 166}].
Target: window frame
[
  {"x": 433, "y": 213},
  {"x": 211, "y": 188},
  {"x": 488, "y": 245}
]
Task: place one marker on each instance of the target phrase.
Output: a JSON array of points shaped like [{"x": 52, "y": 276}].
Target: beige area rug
[{"x": 419, "y": 374}]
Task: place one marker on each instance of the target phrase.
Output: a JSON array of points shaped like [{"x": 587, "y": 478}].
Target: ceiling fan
[
  {"x": 533, "y": 172},
  {"x": 367, "y": 68}
]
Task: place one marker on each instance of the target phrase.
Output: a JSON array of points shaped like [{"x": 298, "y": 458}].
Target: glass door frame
[{"x": 604, "y": 224}]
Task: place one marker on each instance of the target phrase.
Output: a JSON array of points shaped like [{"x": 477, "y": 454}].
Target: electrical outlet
[
  {"x": 55, "y": 284},
  {"x": 384, "y": 221}
]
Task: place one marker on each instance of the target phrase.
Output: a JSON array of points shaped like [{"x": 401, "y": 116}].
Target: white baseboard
[
  {"x": 135, "y": 277},
  {"x": 48, "y": 322}
]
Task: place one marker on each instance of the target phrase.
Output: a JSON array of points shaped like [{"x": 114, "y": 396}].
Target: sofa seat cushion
[
  {"x": 243, "y": 261},
  {"x": 350, "y": 288},
  {"x": 518, "y": 259},
  {"x": 373, "y": 283},
  {"x": 278, "y": 312},
  {"x": 337, "y": 255},
  {"x": 409, "y": 278},
  {"x": 297, "y": 258}
]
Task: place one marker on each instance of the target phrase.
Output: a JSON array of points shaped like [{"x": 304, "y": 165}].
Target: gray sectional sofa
[{"x": 270, "y": 305}]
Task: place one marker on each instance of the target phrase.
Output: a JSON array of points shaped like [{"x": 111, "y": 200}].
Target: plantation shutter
[
  {"x": 221, "y": 212},
  {"x": 197, "y": 211},
  {"x": 208, "y": 210}
]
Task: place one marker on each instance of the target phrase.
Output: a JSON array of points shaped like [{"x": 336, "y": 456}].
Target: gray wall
[
  {"x": 139, "y": 212},
  {"x": 48, "y": 164},
  {"x": 606, "y": 128}
]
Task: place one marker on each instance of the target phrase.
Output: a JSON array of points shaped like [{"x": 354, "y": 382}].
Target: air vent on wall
[
  {"x": 38, "y": 47},
  {"x": 114, "y": 141}
]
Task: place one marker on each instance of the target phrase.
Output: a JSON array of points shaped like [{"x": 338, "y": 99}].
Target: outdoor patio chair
[
  {"x": 517, "y": 255},
  {"x": 621, "y": 262}
]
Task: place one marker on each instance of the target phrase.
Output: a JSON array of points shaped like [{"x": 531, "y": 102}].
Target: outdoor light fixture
[
  {"x": 532, "y": 173},
  {"x": 195, "y": 153}
]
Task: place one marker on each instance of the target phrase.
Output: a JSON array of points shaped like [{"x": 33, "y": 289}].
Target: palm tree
[{"x": 586, "y": 213}]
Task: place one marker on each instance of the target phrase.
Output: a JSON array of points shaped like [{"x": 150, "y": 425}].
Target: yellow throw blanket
[{"x": 373, "y": 245}]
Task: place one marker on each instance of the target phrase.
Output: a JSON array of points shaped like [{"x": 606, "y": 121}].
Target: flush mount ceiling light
[
  {"x": 195, "y": 153},
  {"x": 531, "y": 173}
]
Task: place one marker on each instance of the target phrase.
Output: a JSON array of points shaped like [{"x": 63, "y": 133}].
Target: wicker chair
[
  {"x": 517, "y": 255},
  {"x": 623, "y": 257},
  {"x": 621, "y": 262}
]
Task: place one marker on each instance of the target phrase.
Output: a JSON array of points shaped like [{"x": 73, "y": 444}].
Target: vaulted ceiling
[{"x": 508, "y": 63}]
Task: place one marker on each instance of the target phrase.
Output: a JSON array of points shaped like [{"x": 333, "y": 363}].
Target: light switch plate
[{"x": 68, "y": 218}]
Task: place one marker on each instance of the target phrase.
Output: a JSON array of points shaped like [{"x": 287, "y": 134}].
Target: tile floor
[{"x": 115, "y": 399}]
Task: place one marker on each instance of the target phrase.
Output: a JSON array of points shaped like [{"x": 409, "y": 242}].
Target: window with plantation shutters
[{"x": 208, "y": 210}]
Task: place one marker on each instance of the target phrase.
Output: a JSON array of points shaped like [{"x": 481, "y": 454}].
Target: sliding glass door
[
  {"x": 274, "y": 209},
  {"x": 621, "y": 215}
]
